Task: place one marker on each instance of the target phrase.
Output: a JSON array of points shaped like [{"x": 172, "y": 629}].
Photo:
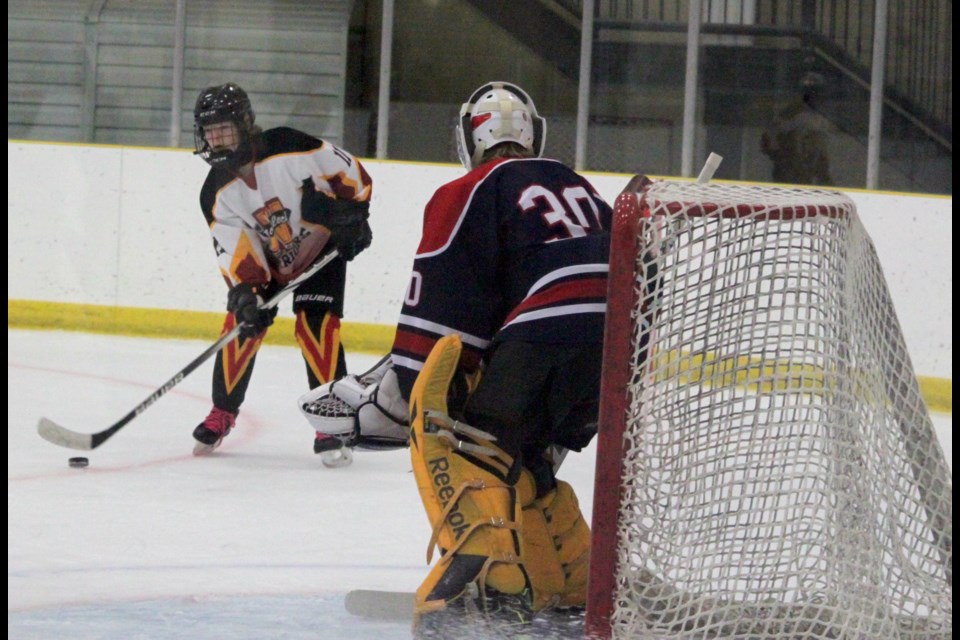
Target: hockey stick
[
  {"x": 53, "y": 432},
  {"x": 391, "y": 606}
]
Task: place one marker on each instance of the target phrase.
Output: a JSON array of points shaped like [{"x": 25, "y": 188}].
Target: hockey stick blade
[
  {"x": 394, "y": 606},
  {"x": 52, "y": 432},
  {"x": 60, "y": 435}
]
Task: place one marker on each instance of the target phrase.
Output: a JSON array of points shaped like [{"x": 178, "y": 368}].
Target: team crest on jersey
[{"x": 274, "y": 221}]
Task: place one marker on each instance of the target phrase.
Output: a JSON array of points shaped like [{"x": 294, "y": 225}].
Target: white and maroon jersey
[
  {"x": 258, "y": 232},
  {"x": 517, "y": 249}
]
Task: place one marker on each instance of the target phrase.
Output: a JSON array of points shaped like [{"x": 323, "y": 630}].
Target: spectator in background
[{"x": 797, "y": 142}]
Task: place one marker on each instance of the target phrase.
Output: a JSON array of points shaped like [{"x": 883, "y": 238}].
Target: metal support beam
[
  {"x": 179, "y": 44},
  {"x": 383, "y": 100},
  {"x": 583, "y": 92},
  {"x": 876, "y": 93},
  {"x": 91, "y": 46},
  {"x": 690, "y": 90}
]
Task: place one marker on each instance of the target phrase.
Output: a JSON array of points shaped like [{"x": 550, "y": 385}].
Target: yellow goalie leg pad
[
  {"x": 541, "y": 559},
  {"x": 461, "y": 475},
  {"x": 570, "y": 535}
]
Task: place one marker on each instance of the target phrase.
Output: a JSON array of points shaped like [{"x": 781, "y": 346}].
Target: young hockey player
[{"x": 274, "y": 200}]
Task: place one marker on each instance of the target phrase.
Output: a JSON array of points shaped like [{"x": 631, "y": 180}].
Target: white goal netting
[{"x": 782, "y": 477}]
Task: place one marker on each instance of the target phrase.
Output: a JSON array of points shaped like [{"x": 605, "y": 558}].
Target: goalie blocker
[{"x": 365, "y": 411}]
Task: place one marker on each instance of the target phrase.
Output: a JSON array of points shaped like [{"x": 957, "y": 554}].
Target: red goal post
[{"x": 766, "y": 466}]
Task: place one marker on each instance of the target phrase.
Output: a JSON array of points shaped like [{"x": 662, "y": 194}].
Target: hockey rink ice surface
[{"x": 256, "y": 541}]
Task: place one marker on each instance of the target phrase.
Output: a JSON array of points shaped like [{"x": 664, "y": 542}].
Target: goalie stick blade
[
  {"x": 395, "y": 606},
  {"x": 52, "y": 432}
]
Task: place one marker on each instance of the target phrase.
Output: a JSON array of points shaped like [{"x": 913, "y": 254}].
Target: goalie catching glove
[{"x": 366, "y": 411}]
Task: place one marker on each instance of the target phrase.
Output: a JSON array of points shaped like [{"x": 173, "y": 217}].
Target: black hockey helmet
[{"x": 224, "y": 103}]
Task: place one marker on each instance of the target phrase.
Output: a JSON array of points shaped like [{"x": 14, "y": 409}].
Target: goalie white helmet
[{"x": 498, "y": 112}]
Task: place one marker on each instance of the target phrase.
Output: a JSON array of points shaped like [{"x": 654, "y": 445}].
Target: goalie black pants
[{"x": 534, "y": 395}]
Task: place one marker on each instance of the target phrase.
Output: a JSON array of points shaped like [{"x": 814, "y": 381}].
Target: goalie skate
[{"x": 397, "y": 606}]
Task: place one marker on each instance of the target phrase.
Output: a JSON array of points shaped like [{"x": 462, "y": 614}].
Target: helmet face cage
[
  {"x": 219, "y": 104},
  {"x": 498, "y": 112}
]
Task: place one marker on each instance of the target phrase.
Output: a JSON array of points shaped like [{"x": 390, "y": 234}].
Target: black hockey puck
[{"x": 79, "y": 463}]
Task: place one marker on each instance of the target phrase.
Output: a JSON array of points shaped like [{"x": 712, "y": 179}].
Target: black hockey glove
[
  {"x": 243, "y": 302},
  {"x": 350, "y": 232}
]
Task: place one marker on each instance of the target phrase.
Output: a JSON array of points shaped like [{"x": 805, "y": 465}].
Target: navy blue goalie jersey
[{"x": 517, "y": 249}]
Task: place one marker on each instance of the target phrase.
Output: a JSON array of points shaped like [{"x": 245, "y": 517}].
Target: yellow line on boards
[
  {"x": 169, "y": 323},
  {"x": 756, "y": 375},
  {"x": 356, "y": 336}
]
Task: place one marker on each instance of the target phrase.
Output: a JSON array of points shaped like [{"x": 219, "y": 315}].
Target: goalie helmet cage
[{"x": 766, "y": 466}]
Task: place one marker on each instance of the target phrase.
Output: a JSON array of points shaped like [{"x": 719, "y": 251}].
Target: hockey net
[{"x": 767, "y": 467}]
